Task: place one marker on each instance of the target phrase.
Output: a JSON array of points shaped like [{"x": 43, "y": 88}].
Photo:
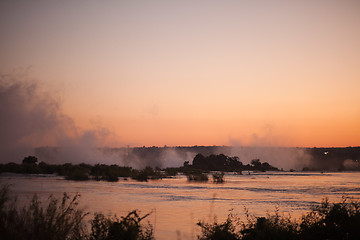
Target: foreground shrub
[
  {"x": 338, "y": 221},
  {"x": 214, "y": 231},
  {"x": 332, "y": 221},
  {"x": 64, "y": 220},
  {"x": 273, "y": 226},
  {"x": 58, "y": 220},
  {"x": 128, "y": 227}
]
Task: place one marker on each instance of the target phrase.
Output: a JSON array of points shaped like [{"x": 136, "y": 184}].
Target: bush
[
  {"x": 78, "y": 173},
  {"x": 332, "y": 221},
  {"x": 30, "y": 160},
  {"x": 215, "y": 231},
  {"x": 110, "y": 173},
  {"x": 30, "y": 168},
  {"x": 47, "y": 168},
  {"x": 218, "y": 177},
  {"x": 128, "y": 227},
  {"x": 270, "y": 227},
  {"x": 171, "y": 171},
  {"x": 197, "y": 177},
  {"x": 59, "y": 220},
  {"x": 146, "y": 174},
  {"x": 64, "y": 220},
  {"x": 326, "y": 221}
]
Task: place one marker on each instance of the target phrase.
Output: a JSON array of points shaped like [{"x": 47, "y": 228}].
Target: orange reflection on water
[{"x": 177, "y": 205}]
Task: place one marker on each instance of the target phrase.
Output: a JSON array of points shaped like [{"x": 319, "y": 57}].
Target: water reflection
[{"x": 178, "y": 204}]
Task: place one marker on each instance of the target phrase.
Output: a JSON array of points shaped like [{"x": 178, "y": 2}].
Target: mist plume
[
  {"x": 32, "y": 122},
  {"x": 32, "y": 117}
]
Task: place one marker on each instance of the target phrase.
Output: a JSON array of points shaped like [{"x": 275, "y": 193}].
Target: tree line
[
  {"x": 225, "y": 163},
  {"x": 101, "y": 172}
]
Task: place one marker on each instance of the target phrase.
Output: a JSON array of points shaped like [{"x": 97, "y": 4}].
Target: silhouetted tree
[
  {"x": 219, "y": 162},
  {"x": 30, "y": 160},
  {"x": 256, "y": 163},
  {"x": 199, "y": 161}
]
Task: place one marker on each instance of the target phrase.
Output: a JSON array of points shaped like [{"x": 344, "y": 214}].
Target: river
[{"x": 177, "y": 205}]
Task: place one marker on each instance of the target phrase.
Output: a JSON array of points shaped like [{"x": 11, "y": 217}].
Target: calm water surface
[{"x": 177, "y": 205}]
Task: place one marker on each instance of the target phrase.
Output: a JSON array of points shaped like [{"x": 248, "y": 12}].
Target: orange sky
[{"x": 196, "y": 72}]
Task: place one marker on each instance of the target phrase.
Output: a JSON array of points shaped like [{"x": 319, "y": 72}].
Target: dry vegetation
[{"x": 61, "y": 219}]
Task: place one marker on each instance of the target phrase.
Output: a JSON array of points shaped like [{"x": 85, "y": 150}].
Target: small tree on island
[{"x": 30, "y": 160}]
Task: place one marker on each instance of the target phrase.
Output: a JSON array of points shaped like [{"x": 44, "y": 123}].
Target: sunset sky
[{"x": 154, "y": 73}]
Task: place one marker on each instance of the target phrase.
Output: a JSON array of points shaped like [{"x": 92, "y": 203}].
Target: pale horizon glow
[{"x": 154, "y": 73}]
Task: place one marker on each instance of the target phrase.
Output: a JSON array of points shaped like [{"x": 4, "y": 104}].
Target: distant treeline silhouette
[
  {"x": 224, "y": 163},
  {"x": 60, "y": 219},
  {"x": 195, "y": 172},
  {"x": 317, "y": 159},
  {"x": 81, "y": 172}
]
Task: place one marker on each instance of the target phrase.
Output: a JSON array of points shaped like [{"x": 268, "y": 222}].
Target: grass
[
  {"x": 327, "y": 221},
  {"x": 127, "y": 227},
  {"x": 63, "y": 219},
  {"x": 60, "y": 219}
]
